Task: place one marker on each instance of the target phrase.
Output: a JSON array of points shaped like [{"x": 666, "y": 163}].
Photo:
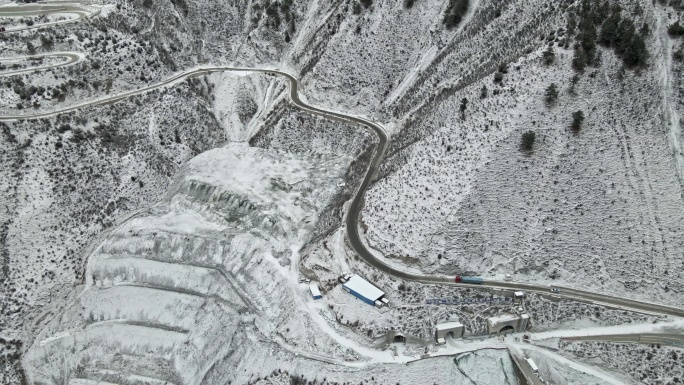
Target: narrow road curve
[
  {"x": 44, "y": 9},
  {"x": 71, "y": 58},
  {"x": 354, "y": 214}
]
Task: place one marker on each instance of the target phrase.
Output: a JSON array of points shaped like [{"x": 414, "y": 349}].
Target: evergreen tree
[
  {"x": 527, "y": 140},
  {"x": 551, "y": 94},
  {"x": 675, "y": 30},
  {"x": 579, "y": 59},
  {"x": 626, "y": 32},
  {"x": 577, "y": 119},
  {"x": 609, "y": 30},
  {"x": 356, "y": 8},
  {"x": 455, "y": 12},
  {"x": 636, "y": 54}
]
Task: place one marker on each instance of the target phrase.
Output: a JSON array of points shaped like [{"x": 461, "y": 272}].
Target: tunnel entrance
[
  {"x": 506, "y": 330},
  {"x": 451, "y": 334},
  {"x": 399, "y": 339}
]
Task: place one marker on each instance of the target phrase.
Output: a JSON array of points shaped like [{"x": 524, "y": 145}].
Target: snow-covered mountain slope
[
  {"x": 201, "y": 286},
  {"x": 599, "y": 208},
  {"x": 180, "y": 285}
]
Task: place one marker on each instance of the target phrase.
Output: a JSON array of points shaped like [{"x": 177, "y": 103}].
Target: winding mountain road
[
  {"x": 71, "y": 58},
  {"x": 79, "y": 11},
  {"x": 356, "y": 206}
]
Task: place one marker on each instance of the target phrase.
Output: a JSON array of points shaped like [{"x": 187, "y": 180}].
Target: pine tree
[
  {"x": 527, "y": 140},
  {"x": 455, "y": 12},
  {"x": 551, "y": 94},
  {"x": 609, "y": 31},
  {"x": 577, "y": 119},
  {"x": 675, "y": 30},
  {"x": 579, "y": 59}
]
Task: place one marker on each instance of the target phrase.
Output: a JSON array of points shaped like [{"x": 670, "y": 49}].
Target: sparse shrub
[
  {"x": 551, "y": 94},
  {"x": 577, "y": 119},
  {"x": 498, "y": 77},
  {"x": 46, "y": 41},
  {"x": 366, "y": 3},
  {"x": 30, "y": 48},
  {"x": 678, "y": 55},
  {"x": 464, "y": 105},
  {"x": 675, "y": 30},
  {"x": 147, "y": 3},
  {"x": 549, "y": 56},
  {"x": 503, "y": 68},
  {"x": 483, "y": 92},
  {"x": 527, "y": 142},
  {"x": 408, "y": 3}
]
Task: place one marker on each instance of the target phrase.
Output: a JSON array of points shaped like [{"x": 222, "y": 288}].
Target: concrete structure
[
  {"x": 364, "y": 291},
  {"x": 315, "y": 292},
  {"x": 524, "y": 322},
  {"x": 518, "y": 297},
  {"x": 449, "y": 329},
  {"x": 508, "y": 323},
  {"x": 533, "y": 366}
]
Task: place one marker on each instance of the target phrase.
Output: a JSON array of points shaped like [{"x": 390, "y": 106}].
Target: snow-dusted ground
[
  {"x": 641, "y": 364},
  {"x": 599, "y": 210},
  {"x": 183, "y": 279},
  {"x": 203, "y": 286}
]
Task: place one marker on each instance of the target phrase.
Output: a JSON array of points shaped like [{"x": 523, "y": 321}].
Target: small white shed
[{"x": 315, "y": 292}]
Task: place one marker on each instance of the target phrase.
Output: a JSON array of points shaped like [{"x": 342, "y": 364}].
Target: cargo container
[{"x": 471, "y": 280}]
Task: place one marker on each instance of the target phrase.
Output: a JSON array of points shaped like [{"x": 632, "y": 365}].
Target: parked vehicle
[
  {"x": 471, "y": 280},
  {"x": 555, "y": 290}
]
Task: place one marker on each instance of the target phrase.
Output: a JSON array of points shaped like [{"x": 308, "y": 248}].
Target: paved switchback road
[
  {"x": 356, "y": 206},
  {"x": 354, "y": 213}
]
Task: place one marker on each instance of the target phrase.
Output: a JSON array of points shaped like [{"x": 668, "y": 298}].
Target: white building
[
  {"x": 518, "y": 297},
  {"x": 315, "y": 292},
  {"x": 451, "y": 329},
  {"x": 365, "y": 291},
  {"x": 507, "y": 323}
]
